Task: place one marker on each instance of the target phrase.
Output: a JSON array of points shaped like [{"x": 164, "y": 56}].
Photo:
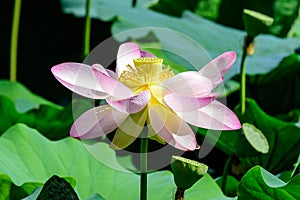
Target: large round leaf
[{"x": 26, "y": 156}]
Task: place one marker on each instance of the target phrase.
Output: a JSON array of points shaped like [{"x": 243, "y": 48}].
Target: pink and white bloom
[{"x": 144, "y": 91}]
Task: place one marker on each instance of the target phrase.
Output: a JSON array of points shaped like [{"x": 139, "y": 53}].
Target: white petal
[
  {"x": 79, "y": 78},
  {"x": 131, "y": 105},
  {"x": 171, "y": 128},
  {"x": 185, "y": 104},
  {"x": 216, "y": 68},
  {"x": 126, "y": 53},
  {"x": 112, "y": 87},
  {"x": 97, "y": 122},
  {"x": 214, "y": 116},
  {"x": 191, "y": 84}
]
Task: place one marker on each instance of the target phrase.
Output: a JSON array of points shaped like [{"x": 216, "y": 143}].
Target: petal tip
[
  {"x": 74, "y": 134},
  {"x": 193, "y": 148},
  {"x": 234, "y": 125}
]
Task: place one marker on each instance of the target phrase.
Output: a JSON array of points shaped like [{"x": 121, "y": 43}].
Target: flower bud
[{"x": 187, "y": 172}]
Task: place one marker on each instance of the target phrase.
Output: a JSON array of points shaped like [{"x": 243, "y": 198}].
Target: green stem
[
  {"x": 133, "y": 4},
  {"x": 243, "y": 83},
  {"x": 144, "y": 166},
  {"x": 87, "y": 28},
  {"x": 296, "y": 167},
  {"x": 225, "y": 173},
  {"x": 14, "y": 40},
  {"x": 248, "y": 49}
]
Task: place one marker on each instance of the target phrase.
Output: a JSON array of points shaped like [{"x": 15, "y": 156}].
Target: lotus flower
[{"x": 144, "y": 91}]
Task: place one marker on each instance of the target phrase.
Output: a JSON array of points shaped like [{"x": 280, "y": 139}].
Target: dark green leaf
[
  {"x": 231, "y": 185},
  {"x": 224, "y": 141},
  {"x": 174, "y": 8},
  {"x": 283, "y": 151},
  {"x": 17, "y": 192},
  {"x": 242, "y": 148},
  {"x": 34, "y": 194},
  {"x": 285, "y": 13},
  {"x": 19, "y": 105},
  {"x": 9, "y": 113},
  {"x": 5, "y": 185},
  {"x": 34, "y": 189},
  {"x": 285, "y": 176},
  {"x": 256, "y": 22},
  {"x": 52, "y": 122},
  {"x": 57, "y": 188},
  {"x": 23, "y": 99},
  {"x": 208, "y": 9},
  {"x": 261, "y": 185},
  {"x": 282, "y": 85},
  {"x": 295, "y": 30},
  {"x": 292, "y": 116}
]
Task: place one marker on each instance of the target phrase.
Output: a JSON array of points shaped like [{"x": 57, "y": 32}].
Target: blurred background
[
  {"x": 47, "y": 37},
  {"x": 51, "y": 31}
]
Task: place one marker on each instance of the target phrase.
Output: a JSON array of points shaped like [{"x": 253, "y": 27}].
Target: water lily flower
[{"x": 145, "y": 91}]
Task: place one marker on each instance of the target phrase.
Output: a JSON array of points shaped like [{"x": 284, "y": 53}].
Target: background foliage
[{"x": 36, "y": 112}]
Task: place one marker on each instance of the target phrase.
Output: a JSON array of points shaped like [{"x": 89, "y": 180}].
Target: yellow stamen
[
  {"x": 146, "y": 72},
  {"x": 142, "y": 61}
]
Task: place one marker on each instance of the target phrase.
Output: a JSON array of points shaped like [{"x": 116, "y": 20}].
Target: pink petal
[
  {"x": 100, "y": 68},
  {"x": 97, "y": 122},
  {"x": 132, "y": 104},
  {"x": 171, "y": 128},
  {"x": 112, "y": 87},
  {"x": 214, "y": 116},
  {"x": 216, "y": 68},
  {"x": 112, "y": 74},
  {"x": 126, "y": 53},
  {"x": 107, "y": 72},
  {"x": 79, "y": 78},
  {"x": 191, "y": 84},
  {"x": 185, "y": 104}
]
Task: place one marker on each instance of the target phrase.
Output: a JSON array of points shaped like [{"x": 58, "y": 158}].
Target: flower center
[{"x": 144, "y": 73}]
